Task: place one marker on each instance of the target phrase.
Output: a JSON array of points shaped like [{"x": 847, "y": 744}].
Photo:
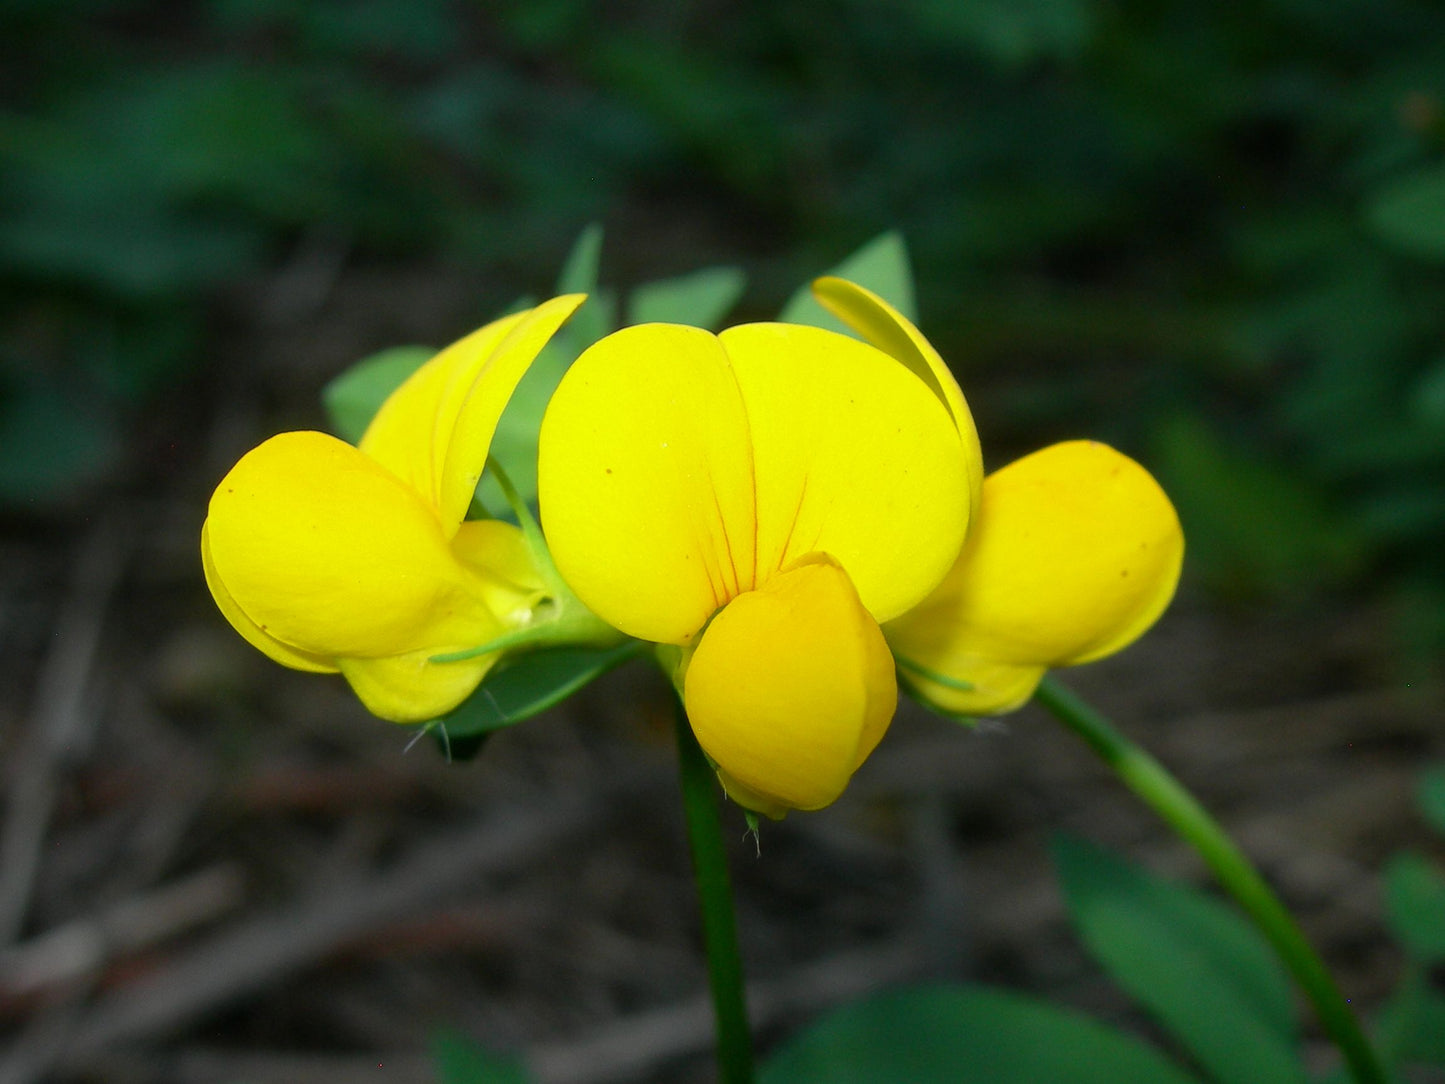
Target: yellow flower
[
  {"x": 329, "y": 557},
  {"x": 1075, "y": 551},
  {"x": 763, "y": 499}
]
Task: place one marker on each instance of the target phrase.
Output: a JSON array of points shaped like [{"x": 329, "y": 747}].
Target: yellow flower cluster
[{"x": 798, "y": 518}]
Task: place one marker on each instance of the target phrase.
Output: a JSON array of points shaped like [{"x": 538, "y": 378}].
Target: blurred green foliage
[{"x": 1213, "y": 234}]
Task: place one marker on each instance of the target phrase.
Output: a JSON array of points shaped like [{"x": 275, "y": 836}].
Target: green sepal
[{"x": 521, "y": 686}]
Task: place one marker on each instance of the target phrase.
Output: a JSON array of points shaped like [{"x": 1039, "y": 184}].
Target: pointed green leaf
[
  {"x": 458, "y": 1060},
  {"x": 530, "y": 683},
  {"x": 580, "y": 275},
  {"x": 701, "y": 298},
  {"x": 881, "y": 265},
  {"x": 1415, "y": 906},
  {"x": 514, "y": 444},
  {"x": 579, "y": 269},
  {"x": 353, "y": 398},
  {"x": 1200, "y": 968},
  {"x": 1412, "y": 1023},
  {"x": 963, "y": 1034}
]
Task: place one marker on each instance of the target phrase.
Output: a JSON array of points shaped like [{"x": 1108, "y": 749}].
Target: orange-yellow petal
[
  {"x": 434, "y": 431},
  {"x": 1075, "y": 552},
  {"x": 790, "y": 688}
]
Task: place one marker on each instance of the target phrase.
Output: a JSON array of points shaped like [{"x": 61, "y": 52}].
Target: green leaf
[
  {"x": 881, "y": 265},
  {"x": 1412, "y": 1023},
  {"x": 514, "y": 444},
  {"x": 1415, "y": 906},
  {"x": 526, "y": 684},
  {"x": 1432, "y": 796},
  {"x": 353, "y": 398},
  {"x": 958, "y": 1034},
  {"x": 1409, "y": 213},
  {"x": 458, "y": 1060},
  {"x": 580, "y": 268},
  {"x": 580, "y": 275},
  {"x": 701, "y": 298},
  {"x": 1204, "y": 972},
  {"x": 1256, "y": 527}
]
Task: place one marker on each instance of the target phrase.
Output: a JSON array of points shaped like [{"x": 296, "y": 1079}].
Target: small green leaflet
[
  {"x": 1206, "y": 974},
  {"x": 1415, "y": 906},
  {"x": 353, "y": 398},
  {"x": 881, "y": 265},
  {"x": 700, "y": 299}
]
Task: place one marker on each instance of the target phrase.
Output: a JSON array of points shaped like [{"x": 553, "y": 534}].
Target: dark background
[{"x": 1213, "y": 236}]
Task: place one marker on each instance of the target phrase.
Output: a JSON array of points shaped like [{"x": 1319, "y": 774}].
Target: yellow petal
[
  {"x": 790, "y": 688},
  {"x": 854, "y": 456},
  {"x": 645, "y": 475},
  {"x": 679, "y": 469},
  {"x": 254, "y": 634},
  {"x": 332, "y": 555},
  {"x": 893, "y": 333},
  {"x": 1075, "y": 552},
  {"x": 409, "y": 688},
  {"x": 435, "y": 430}
]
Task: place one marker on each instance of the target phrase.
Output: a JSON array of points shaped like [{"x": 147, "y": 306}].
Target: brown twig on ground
[
  {"x": 627, "y": 1049},
  {"x": 247, "y": 957},
  {"x": 76, "y": 949},
  {"x": 59, "y": 722}
]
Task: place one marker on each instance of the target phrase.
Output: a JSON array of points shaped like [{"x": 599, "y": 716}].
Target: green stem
[
  {"x": 1152, "y": 782},
  {"x": 715, "y": 900}
]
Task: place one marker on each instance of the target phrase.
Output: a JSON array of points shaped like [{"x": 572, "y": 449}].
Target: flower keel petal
[{"x": 790, "y": 688}]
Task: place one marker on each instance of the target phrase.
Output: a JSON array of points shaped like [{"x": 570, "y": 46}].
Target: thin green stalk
[
  {"x": 1152, "y": 782},
  {"x": 715, "y": 900}
]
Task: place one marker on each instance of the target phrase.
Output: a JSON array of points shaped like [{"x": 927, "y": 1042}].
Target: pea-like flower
[
  {"x": 329, "y": 557},
  {"x": 1074, "y": 552},
  {"x": 762, "y": 500}
]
